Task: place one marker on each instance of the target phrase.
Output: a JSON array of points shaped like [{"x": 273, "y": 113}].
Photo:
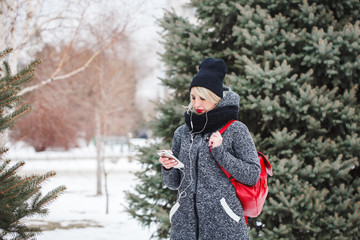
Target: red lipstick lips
[{"x": 199, "y": 110}]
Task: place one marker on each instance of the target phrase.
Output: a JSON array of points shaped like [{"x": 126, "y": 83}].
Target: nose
[{"x": 196, "y": 103}]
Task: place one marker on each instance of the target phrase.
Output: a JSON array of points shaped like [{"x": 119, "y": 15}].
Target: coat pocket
[
  {"x": 173, "y": 210},
  {"x": 229, "y": 211}
]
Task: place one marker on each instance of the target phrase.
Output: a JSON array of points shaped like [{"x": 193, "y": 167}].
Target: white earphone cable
[{"x": 183, "y": 193}]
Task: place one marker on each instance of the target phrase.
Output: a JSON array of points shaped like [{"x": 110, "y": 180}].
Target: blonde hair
[{"x": 205, "y": 94}]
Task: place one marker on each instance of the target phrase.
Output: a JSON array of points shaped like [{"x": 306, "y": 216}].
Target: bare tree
[
  {"x": 97, "y": 102},
  {"x": 28, "y": 24},
  {"x": 93, "y": 57},
  {"x": 25, "y": 24},
  {"x": 51, "y": 123},
  {"x": 114, "y": 107}
]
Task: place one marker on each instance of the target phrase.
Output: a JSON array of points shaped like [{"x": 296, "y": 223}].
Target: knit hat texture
[{"x": 211, "y": 75}]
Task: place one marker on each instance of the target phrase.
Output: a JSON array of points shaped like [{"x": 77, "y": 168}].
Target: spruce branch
[
  {"x": 17, "y": 184},
  {"x": 7, "y": 71},
  {"x": 12, "y": 98},
  {"x": 26, "y": 74},
  {"x": 5, "y": 164},
  {"x": 9, "y": 120},
  {"x": 20, "y": 196},
  {"x": 5, "y": 52},
  {"x": 45, "y": 177},
  {"x": 11, "y": 171},
  {"x": 50, "y": 196}
]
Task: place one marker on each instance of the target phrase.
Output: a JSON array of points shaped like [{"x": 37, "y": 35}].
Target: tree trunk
[{"x": 99, "y": 157}]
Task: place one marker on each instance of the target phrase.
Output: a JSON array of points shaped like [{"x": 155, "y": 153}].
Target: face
[{"x": 200, "y": 105}]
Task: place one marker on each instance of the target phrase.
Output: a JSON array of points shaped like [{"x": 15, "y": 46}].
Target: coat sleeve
[
  {"x": 172, "y": 177},
  {"x": 244, "y": 163}
]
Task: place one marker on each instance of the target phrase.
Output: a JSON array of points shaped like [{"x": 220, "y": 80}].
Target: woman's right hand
[{"x": 167, "y": 162}]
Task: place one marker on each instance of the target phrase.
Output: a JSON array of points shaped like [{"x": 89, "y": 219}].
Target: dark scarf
[{"x": 217, "y": 118}]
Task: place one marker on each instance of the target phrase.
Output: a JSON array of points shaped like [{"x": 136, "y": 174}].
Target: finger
[
  {"x": 168, "y": 161},
  {"x": 164, "y": 160},
  {"x": 170, "y": 164},
  {"x": 215, "y": 135}
]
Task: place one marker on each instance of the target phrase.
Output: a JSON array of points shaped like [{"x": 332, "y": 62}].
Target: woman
[{"x": 207, "y": 205}]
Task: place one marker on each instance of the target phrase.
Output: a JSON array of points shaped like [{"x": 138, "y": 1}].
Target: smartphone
[{"x": 167, "y": 153}]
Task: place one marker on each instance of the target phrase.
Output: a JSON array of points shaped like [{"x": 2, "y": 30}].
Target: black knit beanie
[{"x": 211, "y": 75}]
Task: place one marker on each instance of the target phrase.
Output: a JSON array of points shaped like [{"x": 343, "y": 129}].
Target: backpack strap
[
  {"x": 260, "y": 154},
  {"x": 228, "y": 175},
  {"x": 226, "y": 126},
  {"x": 265, "y": 162}
]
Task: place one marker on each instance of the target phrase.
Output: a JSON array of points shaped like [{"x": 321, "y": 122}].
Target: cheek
[{"x": 210, "y": 106}]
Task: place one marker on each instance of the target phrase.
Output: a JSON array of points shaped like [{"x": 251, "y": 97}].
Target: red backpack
[{"x": 252, "y": 198}]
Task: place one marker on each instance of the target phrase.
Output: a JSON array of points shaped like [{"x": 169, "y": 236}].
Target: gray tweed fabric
[{"x": 207, "y": 206}]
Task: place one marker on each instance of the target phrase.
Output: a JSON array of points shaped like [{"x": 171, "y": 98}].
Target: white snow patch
[{"x": 79, "y": 213}]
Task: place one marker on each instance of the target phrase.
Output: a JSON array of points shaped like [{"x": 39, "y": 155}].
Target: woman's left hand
[{"x": 215, "y": 139}]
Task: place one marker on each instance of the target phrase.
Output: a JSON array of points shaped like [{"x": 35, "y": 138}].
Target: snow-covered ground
[{"x": 79, "y": 213}]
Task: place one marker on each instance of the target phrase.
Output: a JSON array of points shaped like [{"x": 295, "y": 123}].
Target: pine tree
[
  {"x": 296, "y": 66},
  {"x": 20, "y": 196}
]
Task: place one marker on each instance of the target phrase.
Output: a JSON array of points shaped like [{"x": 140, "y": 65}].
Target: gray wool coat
[{"x": 207, "y": 206}]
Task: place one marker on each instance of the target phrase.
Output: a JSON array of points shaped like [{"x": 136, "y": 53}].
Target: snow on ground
[{"x": 79, "y": 213}]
